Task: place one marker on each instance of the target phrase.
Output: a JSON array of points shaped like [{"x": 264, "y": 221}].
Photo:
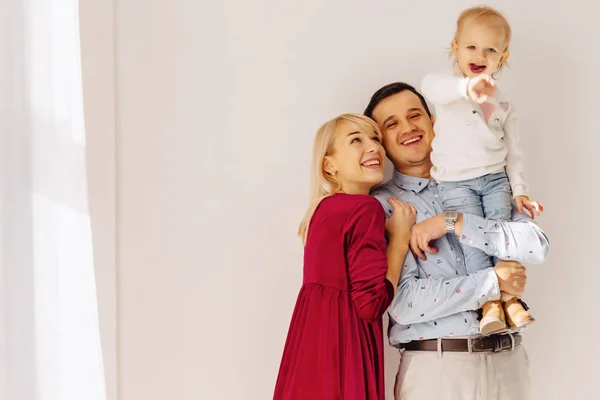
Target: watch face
[{"x": 451, "y": 214}]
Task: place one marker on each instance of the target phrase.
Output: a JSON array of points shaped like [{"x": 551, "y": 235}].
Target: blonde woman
[{"x": 334, "y": 348}]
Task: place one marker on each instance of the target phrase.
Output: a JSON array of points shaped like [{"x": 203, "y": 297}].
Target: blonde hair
[
  {"x": 485, "y": 15},
  {"x": 322, "y": 183}
]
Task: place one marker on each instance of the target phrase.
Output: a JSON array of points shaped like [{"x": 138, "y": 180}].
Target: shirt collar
[{"x": 407, "y": 182}]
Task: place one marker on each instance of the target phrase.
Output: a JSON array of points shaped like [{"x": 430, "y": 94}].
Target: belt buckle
[{"x": 497, "y": 340}]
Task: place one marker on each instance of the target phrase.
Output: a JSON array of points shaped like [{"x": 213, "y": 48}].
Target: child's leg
[
  {"x": 463, "y": 196},
  {"x": 497, "y": 204},
  {"x": 496, "y": 197}
]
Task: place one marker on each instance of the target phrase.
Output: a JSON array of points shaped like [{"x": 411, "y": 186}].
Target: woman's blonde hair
[
  {"x": 322, "y": 183},
  {"x": 485, "y": 15}
]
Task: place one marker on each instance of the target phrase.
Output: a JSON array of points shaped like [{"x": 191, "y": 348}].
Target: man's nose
[{"x": 407, "y": 127}]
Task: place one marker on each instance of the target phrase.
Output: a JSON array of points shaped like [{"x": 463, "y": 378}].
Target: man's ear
[{"x": 328, "y": 166}]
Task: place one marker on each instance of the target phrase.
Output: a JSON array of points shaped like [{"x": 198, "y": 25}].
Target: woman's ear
[{"x": 328, "y": 166}]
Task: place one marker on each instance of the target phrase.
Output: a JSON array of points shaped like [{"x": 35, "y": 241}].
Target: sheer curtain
[{"x": 49, "y": 335}]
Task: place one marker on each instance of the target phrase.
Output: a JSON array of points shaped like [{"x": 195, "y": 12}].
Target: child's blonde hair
[
  {"x": 485, "y": 15},
  {"x": 324, "y": 184}
]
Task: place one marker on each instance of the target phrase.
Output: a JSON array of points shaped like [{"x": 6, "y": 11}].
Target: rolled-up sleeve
[
  {"x": 421, "y": 300},
  {"x": 520, "y": 240}
]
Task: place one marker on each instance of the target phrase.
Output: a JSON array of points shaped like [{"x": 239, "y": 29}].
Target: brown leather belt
[{"x": 492, "y": 343}]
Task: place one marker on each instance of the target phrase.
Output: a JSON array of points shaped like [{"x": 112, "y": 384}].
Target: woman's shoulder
[
  {"x": 346, "y": 205},
  {"x": 341, "y": 213},
  {"x": 351, "y": 200}
]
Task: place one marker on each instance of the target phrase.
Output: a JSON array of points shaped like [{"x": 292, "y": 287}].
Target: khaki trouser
[{"x": 429, "y": 375}]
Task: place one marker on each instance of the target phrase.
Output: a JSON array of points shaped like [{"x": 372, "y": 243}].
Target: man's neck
[{"x": 417, "y": 171}]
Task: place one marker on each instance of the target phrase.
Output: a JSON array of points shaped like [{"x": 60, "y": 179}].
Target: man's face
[{"x": 407, "y": 131}]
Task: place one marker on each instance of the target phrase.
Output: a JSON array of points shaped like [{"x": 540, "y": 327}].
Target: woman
[{"x": 334, "y": 348}]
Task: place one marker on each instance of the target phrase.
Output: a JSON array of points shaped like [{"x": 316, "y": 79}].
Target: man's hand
[
  {"x": 424, "y": 232},
  {"x": 480, "y": 88},
  {"x": 534, "y": 208},
  {"x": 512, "y": 277}
]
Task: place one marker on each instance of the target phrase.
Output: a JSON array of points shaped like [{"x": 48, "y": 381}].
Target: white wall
[
  {"x": 218, "y": 104},
  {"x": 97, "y": 53}
]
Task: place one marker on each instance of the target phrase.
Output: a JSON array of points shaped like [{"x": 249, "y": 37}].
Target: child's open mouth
[{"x": 476, "y": 68}]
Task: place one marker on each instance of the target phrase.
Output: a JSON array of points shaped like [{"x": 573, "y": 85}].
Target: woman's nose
[{"x": 371, "y": 147}]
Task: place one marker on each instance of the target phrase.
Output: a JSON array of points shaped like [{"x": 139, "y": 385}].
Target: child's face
[{"x": 480, "y": 49}]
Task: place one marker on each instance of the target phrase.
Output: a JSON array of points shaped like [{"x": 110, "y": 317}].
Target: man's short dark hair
[{"x": 390, "y": 90}]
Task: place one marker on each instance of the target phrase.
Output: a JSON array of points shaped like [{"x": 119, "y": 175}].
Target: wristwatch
[{"x": 450, "y": 217}]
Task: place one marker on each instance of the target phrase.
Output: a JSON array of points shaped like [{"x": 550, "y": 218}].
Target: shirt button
[
  {"x": 436, "y": 196},
  {"x": 470, "y": 242},
  {"x": 496, "y": 253},
  {"x": 459, "y": 259}
]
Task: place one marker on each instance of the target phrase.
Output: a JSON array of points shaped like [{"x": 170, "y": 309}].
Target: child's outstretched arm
[{"x": 444, "y": 87}]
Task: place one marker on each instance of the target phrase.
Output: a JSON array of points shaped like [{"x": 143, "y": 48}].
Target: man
[{"x": 434, "y": 319}]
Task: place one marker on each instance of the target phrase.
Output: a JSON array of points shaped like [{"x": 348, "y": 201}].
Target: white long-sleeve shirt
[{"x": 473, "y": 140}]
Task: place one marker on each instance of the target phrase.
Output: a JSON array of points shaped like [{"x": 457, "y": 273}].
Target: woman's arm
[{"x": 371, "y": 288}]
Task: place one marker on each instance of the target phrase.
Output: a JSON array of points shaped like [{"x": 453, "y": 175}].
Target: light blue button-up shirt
[{"x": 440, "y": 296}]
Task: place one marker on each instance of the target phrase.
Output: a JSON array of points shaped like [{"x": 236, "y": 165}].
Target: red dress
[{"x": 334, "y": 347}]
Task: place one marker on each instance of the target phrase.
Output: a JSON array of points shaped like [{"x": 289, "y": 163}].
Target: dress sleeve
[{"x": 366, "y": 246}]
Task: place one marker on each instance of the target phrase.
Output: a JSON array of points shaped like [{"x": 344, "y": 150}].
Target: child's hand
[
  {"x": 534, "y": 208},
  {"x": 481, "y": 87}
]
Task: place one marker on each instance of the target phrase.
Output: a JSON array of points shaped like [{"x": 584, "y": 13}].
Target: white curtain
[{"x": 49, "y": 335}]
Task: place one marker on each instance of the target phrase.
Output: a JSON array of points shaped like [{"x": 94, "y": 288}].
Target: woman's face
[{"x": 357, "y": 159}]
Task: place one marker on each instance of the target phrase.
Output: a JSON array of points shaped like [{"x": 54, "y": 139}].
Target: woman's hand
[{"x": 403, "y": 218}]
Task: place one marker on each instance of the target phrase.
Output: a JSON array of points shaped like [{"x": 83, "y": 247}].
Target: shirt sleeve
[
  {"x": 444, "y": 87},
  {"x": 366, "y": 247},
  {"x": 520, "y": 240},
  {"x": 515, "y": 164},
  {"x": 422, "y": 300}
]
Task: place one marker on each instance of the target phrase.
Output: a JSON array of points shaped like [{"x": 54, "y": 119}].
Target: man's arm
[
  {"x": 421, "y": 300},
  {"x": 519, "y": 240}
]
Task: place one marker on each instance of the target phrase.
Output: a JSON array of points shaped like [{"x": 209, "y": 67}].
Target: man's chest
[
  {"x": 428, "y": 202},
  {"x": 450, "y": 259}
]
